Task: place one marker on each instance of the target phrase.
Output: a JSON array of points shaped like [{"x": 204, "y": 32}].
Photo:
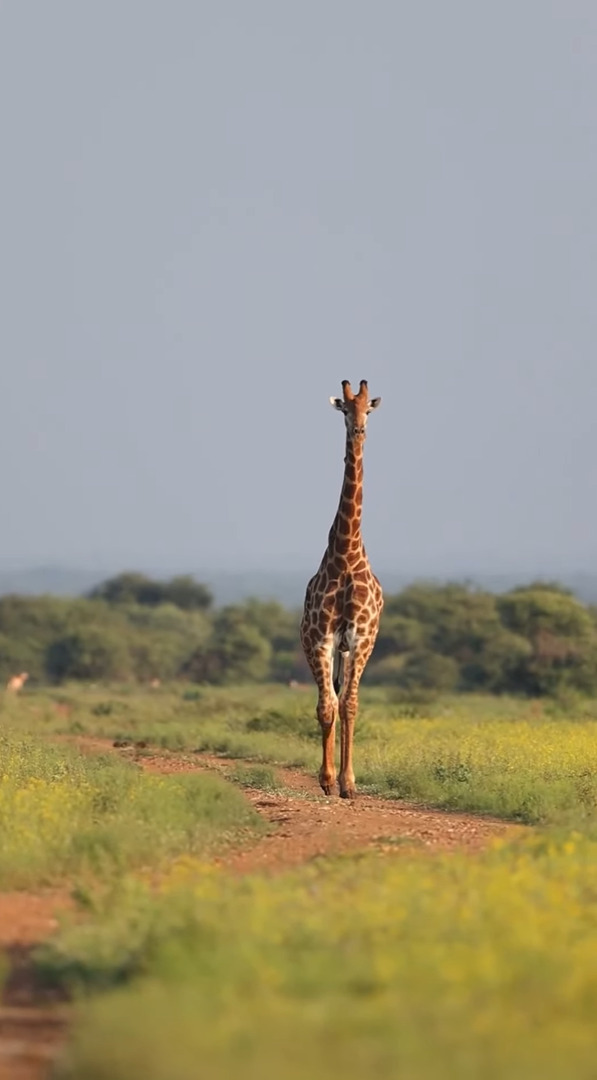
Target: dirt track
[
  {"x": 309, "y": 825},
  {"x": 306, "y": 825}
]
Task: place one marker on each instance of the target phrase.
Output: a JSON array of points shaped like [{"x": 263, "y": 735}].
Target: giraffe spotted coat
[{"x": 343, "y": 604}]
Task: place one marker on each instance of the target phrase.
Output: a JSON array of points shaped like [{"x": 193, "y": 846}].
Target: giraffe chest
[{"x": 337, "y": 605}]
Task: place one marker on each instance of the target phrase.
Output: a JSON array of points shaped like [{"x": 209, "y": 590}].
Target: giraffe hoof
[
  {"x": 349, "y": 793},
  {"x": 328, "y": 789}
]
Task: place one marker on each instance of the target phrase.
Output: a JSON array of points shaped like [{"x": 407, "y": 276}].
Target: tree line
[{"x": 537, "y": 639}]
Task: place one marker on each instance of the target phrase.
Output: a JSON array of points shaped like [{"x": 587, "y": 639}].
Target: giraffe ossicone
[{"x": 343, "y": 604}]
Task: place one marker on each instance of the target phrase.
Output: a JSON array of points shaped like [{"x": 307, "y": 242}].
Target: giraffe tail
[{"x": 338, "y": 670}]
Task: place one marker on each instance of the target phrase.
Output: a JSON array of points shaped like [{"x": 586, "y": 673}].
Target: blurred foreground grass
[{"x": 425, "y": 967}]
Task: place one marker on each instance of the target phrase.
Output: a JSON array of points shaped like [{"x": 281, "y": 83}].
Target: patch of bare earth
[
  {"x": 32, "y": 1023},
  {"x": 305, "y": 825}
]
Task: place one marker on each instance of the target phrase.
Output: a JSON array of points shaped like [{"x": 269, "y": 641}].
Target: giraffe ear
[
  {"x": 374, "y": 403},
  {"x": 337, "y": 403}
]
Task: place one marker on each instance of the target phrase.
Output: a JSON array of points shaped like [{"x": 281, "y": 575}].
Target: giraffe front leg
[
  {"x": 349, "y": 704},
  {"x": 319, "y": 654},
  {"x": 326, "y": 715},
  {"x": 327, "y": 712}
]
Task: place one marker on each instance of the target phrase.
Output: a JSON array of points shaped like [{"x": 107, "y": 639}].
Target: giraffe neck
[{"x": 345, "y": 542}]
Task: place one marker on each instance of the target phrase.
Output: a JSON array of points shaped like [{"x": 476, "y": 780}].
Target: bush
[
  {"x": 133, "y": 588},
  {"x": 237, "y": 651},
  {"x": 397, "y": 634},
  {"x": 88, "y": 654},
  {"x": 428, "y": 670},
  {"x": 384, "y": 672}
]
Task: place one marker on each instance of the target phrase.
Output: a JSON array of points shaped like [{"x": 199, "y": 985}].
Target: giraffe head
[{"x": 356, "y": 408}]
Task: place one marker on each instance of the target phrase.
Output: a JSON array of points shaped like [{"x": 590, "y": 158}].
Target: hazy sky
[{"x": 212, "y": 211}]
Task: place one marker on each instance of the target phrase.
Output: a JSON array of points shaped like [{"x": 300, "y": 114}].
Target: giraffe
[{"x": 343, "y": 604}]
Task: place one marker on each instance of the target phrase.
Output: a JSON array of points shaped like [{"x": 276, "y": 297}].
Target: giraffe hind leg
[{"x": 348, "y": 706}]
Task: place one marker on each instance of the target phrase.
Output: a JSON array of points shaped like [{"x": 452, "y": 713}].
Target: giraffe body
[{"x": 343, "y": 604}]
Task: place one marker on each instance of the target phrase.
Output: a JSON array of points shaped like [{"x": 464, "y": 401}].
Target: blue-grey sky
[{"x": 212, "y": 211}]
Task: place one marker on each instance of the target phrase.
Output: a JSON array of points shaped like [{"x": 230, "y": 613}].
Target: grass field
[
  {"x": 517, "y": 759},
  {"x": 410, "y": 964},
  {"x": 65, "y": 815}
]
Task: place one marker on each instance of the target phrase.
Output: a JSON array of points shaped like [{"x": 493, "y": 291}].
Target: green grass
[
  {"x": 431, "y": 968},
  {"x": 260, "y": 777},
  {"x": 64, "y": 814},
  {"x": 517, "y": 759}
]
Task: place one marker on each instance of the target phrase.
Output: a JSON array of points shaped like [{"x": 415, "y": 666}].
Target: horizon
[
  {"x": 285, "y": 586},
  {"x": 164, "y": 570}
]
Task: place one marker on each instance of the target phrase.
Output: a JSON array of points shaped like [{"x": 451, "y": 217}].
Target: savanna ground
[{"x": 177, "y": 899}]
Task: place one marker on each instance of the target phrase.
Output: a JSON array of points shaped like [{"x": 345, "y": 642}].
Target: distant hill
[{"x": 286, "y": 586}]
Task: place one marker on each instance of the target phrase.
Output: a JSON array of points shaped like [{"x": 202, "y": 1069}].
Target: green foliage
[
  {"x": 561, "y": 635},
  {"x": 274, "y": 622},
  {"x": 429, "y": 670},
  {"x": 455, "y": 620},
  {"x": 187, "y": 594},
  {"x": 57, "y": 638},
  {"x": 397, "y": 633},
  {"x": 28, "y": 626},
  {"x": 536, "y": 610},
  {"x": 237, "y": 651},
  {"x": 19, "y": 655},
  {"x": 133, "y": 588},
  {"x": 539, "y": 640},
  {"x": 90, "y": 653},
  {"x": 162, "y": 639},
  {"x": 128, "y": 588},
  {"x": 498, "y": 665}
]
